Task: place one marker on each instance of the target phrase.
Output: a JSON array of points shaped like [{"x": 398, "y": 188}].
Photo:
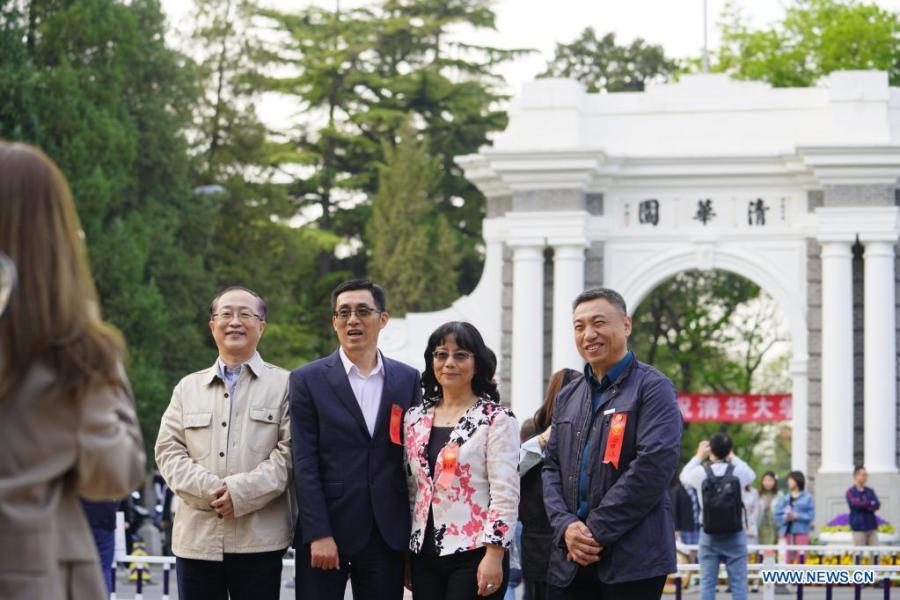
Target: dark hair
[
  {"x": 544, "y": 415},
  {"x": 527, "y": 431},
  {"x": 376, "y": 290},
  {"x": 611, "y": 296},
  {"x": 720, "y": 444},
  {"x": 262, "y": 303},
  {"x": 798, "y": 477},
  {"x": 468, "y": 338},
  {"x": 762, "y": 487},
  {"x": 858, "y": 468}
]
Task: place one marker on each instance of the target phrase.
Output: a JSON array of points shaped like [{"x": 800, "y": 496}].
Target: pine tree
[
  {"x": 93, "y": 83},
  {"x": 412, "y": 253},
  {"x": 359, "y": 73},
  {"x": 253, "y": 243},
  {"x": 603, "y": 65}
]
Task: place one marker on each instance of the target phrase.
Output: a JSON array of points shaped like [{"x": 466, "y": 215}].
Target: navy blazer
[
  {"x": 631, "y": 515},
  {"x": 345, "y": 479}
]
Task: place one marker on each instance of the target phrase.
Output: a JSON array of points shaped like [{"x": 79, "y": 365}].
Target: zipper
[
  {"x": 586, "y": 426},
  {"x": 580, "y": 452}
]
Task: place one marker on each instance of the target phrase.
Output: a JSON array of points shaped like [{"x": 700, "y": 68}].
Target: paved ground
[{"x": 127, "y": 590}]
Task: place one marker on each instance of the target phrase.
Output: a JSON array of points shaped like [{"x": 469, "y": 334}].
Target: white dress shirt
[{"x": 367, "y": 389}]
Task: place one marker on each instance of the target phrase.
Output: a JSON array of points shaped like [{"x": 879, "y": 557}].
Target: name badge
[
  {"x": 448, "y": 465},
  {"x": 614, "y": 440},
  {"x": 396, "y": 422}
]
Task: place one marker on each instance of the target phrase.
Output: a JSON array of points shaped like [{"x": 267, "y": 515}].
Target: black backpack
[{"x": 722, "y": 504}]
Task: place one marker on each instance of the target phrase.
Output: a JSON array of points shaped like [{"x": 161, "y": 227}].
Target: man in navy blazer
[{"x": 346, "y": 416}]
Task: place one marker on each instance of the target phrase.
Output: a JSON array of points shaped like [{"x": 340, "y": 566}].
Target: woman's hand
[{"x": 490, "y": 571}]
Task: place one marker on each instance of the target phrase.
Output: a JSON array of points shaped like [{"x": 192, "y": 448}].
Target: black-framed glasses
[
  {"x": 458, "y": 356},
  {"x": 363, "y": 312},
  {"x": 245, "y": 316}
]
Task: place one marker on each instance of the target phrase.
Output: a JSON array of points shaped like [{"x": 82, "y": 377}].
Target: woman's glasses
[{"x": 458, "y": 356}]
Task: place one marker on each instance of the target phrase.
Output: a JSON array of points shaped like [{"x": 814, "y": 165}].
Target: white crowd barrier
[{"x": 887, "y": 574}]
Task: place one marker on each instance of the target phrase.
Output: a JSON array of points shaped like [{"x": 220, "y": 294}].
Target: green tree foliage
[
  {"x": 603, "y": 65},
  {"x": 356, "y": 75},
  {"x": 413, "y": 255},
  {"x": 254, "y": 244},
  {"x": 93, "y": 84},
  {"x": 709, "y": 331},
  {"x": 815, "y": 38}
]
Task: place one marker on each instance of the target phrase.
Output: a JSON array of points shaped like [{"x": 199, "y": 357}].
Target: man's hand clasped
[
  {"x": 582, "y": 546},
  {"x": 223, "y": 504}
]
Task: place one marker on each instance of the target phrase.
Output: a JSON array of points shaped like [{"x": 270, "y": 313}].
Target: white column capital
[
  {"x": 526, "y": 251},
  {"x": 836, "y": 248},
  {"x": 879, "y": 248},
  {"x": 569, "y": 251},
  {"x": 847, "y": 223}
]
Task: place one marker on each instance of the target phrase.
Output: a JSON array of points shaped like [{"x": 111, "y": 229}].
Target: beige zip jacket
[
  {"x": 53, "y": 449},
  {"x": 207, "y": 438}
]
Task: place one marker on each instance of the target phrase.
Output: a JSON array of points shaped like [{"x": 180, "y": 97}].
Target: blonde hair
[{"x": 53, "y": 315}]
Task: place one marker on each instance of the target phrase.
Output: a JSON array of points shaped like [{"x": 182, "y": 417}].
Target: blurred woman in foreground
[{"x": 67, "y": 420}]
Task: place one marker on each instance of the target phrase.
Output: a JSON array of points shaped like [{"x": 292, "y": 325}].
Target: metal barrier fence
[
  {"x": 167, "y": 563},
  {"x": 858, "y": 554}
]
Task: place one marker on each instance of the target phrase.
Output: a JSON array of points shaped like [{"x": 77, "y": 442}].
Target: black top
[
  {"x": 682, "y": 508},
  {"x": 439, "y": 438},
  {"x": 436, "y": 442}
]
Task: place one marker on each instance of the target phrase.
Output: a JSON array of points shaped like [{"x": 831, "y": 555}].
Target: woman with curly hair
[{"x": 461, "y": 454}]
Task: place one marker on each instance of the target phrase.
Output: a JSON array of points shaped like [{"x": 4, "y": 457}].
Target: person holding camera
[{"x": 719, "y": 477}]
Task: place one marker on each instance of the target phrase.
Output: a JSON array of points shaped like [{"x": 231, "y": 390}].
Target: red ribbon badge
[
  {"x": 396, "y": 421},
  {"x": 614, "y": 441},
  {"x": 448, "y": 466}
]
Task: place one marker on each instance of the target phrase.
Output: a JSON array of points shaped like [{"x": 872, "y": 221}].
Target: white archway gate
[{"x": 794, "y": 189}]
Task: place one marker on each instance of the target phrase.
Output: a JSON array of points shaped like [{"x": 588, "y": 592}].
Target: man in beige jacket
[{"x": 224, "y": 450}]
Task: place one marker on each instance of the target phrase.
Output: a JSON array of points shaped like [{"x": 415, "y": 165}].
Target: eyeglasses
[
  {"x": 360, "y": 311},
  {"x": 458, "y": 356},
  {"x": 245, "y": 316}
]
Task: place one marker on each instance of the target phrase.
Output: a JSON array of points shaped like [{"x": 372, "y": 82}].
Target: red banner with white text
[{"x": 735, "y": 408}]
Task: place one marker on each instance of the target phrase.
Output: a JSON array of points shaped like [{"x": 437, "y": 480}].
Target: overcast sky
[{"x": 677, "y": 25}]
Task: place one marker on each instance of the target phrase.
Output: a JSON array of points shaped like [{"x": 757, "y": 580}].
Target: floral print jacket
[{"x": 479, "y": 504}]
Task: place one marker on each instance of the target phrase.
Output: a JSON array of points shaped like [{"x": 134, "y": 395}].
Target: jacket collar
[
  {"x": 337, "y": 379},
  {"x": 613, "y": 376},
  {"x": 464, "y": 429},
  {"x": 255, "y": 363}
]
